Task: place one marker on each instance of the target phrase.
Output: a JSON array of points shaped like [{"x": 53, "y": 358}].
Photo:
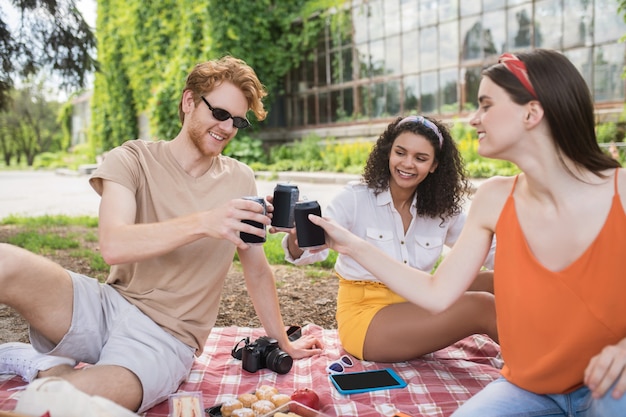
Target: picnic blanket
[{"x": 438, "y": 383}]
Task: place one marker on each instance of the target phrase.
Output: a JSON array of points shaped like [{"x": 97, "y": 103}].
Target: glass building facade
[{"x": 378, "y": 59}]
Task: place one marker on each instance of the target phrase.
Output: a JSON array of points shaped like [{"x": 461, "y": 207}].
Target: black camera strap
[{"x": 237, "y": 351}]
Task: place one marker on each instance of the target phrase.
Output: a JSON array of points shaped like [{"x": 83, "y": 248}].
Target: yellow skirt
[{"x": 357, "y": 304}]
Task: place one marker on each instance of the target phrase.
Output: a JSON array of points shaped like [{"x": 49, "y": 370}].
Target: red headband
[{"x": 518, "y": 68}]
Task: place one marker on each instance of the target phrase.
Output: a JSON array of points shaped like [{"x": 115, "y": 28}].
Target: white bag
[{"x": 61, "y": 399}]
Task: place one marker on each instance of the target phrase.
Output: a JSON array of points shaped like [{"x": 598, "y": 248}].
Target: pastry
[
  {"x": 265, "y": 392},
  {"x": 229, "y": 406},
  {"x": 262, "y": 407},
  {"x": 247, "y": 399},
  {"x": 243, "y": 412},
  {"x": 280, "y": 399}
]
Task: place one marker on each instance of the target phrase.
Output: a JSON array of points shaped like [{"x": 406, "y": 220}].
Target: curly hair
[
  {"x": 441, "y": 193},
  {"x": 206, "y": 76}
]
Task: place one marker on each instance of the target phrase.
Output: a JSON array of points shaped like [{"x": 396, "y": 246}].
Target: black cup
[
  {"x": 309, "y": 235},
  {"x": 285, "y": 199},
  {"x": 250, "y": 238}
]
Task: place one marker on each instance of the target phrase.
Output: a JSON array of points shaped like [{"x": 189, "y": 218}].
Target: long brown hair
[{"x": 566, "y": 102}]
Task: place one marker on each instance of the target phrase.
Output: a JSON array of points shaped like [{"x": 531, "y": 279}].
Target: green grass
[
  {"x": 43, "y": 242},
  {"x": 50, "y": 221},
  {"x": 275, "y": 255},
  {"x": 38, "y": 236}
]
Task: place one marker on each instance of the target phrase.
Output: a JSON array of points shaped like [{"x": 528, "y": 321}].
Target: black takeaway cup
[
  {"x": 250, "y": 238},
  {"x": 309, "y": 235},
  {"x": 285, "y": 199}
]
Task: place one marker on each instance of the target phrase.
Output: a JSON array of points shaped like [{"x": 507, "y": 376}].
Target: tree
[
  {"x": 47, "y": 35},
  {"x": 29, "y": 125}
]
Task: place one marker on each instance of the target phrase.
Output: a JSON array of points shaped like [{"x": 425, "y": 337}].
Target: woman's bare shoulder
[
  {"x": 489, "y": 199},
  {"x": 495, "y": 187}
]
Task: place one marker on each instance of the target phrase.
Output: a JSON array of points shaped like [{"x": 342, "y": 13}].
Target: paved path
[{"x": 36, "y": 193}]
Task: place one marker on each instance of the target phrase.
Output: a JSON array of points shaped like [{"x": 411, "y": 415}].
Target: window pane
[
  {"x": 548, "y": 24},
  {"x": 410, "y": 52},
  {"x": 449, "y": 91},
  {"x": 449, "y": 44},
  {"x": 609, "y": 24},
  {"x": 411, "y": 94},
  {"x": 393, "y": 98},
  {"x": 428, "y": 96},
  {"x": 324, "y": 110},
  {"x": 321, "y": 70},
  {"x": 578, "y": 30},
  {"x": 392, "y": 57},
  {"x": 520, "y": 27},
  {"x": 608, "y": 68},
  {"x": 409, "y": 14},
  {"x": 347, "y": 64},
  {"x": 472, "y": 33},
  {"x": 363, "y": 59},
  {"x": 377, "y": 58},
  {"x": 376, "y": 19},
  {"x": 469, "y": 7},
  {"x": 428, "y": 12},
  {"x": 391, "y": 13},
  {"x": 379, "y": 100},
  {"x": 448, "y": 10},
  {"x": 494, "y": 37},
  {"x": 359, "y": 18},
  {"x": 298, "y": 111},
  {"x": 471, "y": 81},
  {"x": 428, "y": 48},
  {"x": 310, "y": 110},
  {"x": 489, "y": 5},
  {"x": 582, "y": 59},
  {"x": 365, "y": 95},
  {"x": 342, "y": 106}
]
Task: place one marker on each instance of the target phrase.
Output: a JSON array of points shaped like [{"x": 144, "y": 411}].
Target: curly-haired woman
[{"x": 409, "y": 204}]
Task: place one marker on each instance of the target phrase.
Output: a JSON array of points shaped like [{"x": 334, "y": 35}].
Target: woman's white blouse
[{"x": 374, "y": 218}]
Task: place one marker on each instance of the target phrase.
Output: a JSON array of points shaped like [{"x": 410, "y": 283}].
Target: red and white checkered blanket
[{"x": 437, "y": 383}]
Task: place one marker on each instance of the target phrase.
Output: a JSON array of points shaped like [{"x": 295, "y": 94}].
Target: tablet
[{"x": 377, "y": 379}]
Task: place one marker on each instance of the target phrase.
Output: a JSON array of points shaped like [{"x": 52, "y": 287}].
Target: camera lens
[{"x": 278, "y": 361}]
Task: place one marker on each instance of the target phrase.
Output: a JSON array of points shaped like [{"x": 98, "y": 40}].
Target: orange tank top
[{"x": 551, "y": 324}]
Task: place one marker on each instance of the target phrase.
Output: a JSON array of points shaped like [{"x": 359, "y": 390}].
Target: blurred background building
[{"x": 378, "y": 59}]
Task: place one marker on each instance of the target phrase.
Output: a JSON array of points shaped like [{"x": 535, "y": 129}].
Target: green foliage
[
  {"x": 607, "y": 132},
  {"x": 146, "y": 50},
  {"x": 245, "y": 149},
  {"x": 29, "y": 124}
]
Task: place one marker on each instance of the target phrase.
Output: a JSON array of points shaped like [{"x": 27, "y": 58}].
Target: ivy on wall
[{"x": 146, "y": 49}]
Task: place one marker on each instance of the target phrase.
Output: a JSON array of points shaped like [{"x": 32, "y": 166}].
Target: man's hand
[
  {"x": 225, "y": 222},
  {"x": 606, "y": 369}
]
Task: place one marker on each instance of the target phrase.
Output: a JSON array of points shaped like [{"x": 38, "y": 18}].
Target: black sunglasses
[{"x": 221, "y": 115}]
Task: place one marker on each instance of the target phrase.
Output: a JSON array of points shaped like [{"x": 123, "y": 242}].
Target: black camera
[{"x": 265, "y": 353}]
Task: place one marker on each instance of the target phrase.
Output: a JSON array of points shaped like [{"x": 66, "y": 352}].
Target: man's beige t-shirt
[{"x": 180, "y": 290}]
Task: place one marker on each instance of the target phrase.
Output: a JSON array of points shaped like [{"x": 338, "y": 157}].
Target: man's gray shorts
[{"x": 108, "y": 330}]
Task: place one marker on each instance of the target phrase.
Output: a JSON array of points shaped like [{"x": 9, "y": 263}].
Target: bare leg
[
  {"x": 37, "y": 288},
  {"x": 405, "y": 331},
  {"x": 113, "y": 382},
  {"x": 42, "y": 292}
]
